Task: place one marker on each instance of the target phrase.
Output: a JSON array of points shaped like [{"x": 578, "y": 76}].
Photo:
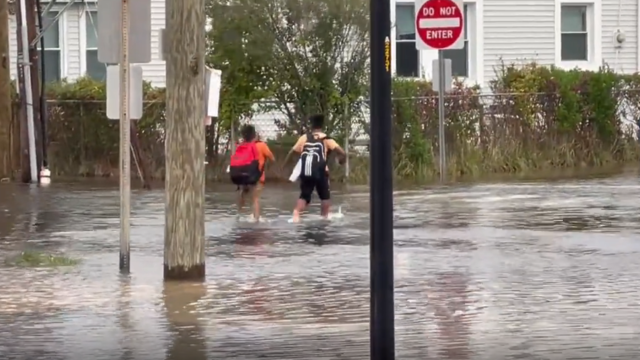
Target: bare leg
[
  {"x": 325, "y": 208},
  {"x": 257, "y": 191},
  {"x": 241, "y": 199},
  {"x": 325, "y": 196},
  {"x": 301, "y": 204}
]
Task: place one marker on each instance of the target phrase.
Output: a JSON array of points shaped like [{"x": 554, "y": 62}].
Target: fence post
[
  {"x": 347, "y": 137},
  {"x": 232, "y": 137}
]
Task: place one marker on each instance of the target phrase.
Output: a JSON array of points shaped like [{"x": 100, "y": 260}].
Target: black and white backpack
[{"x": 313, "y": 157}]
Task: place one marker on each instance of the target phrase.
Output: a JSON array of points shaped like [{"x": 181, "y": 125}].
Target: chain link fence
[{"x": 80, "y": 135}]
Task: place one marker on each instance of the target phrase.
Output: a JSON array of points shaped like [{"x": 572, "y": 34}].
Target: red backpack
[{"x": 244, "y": 167}]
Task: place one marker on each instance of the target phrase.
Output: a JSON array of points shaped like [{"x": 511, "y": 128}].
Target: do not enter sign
[{"x": 439, "y": 24}]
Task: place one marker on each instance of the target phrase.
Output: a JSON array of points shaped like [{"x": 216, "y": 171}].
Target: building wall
[
  {"x": 517, "y": 31},
  {"x": 507, "y": 31},
  {"x": 621, "y": 15},
  {"x": 498, "y": 31},
  {"x": 73, "y": 33}
]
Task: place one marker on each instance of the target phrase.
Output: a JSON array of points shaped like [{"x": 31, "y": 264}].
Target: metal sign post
[
  {"x": 440, "y": 26},
  {"x": 442, "y": 83},
  {"x": 382, "y": 327},
  {"x": 125, "y": 140},
  {"x": 114, "y": 43}
]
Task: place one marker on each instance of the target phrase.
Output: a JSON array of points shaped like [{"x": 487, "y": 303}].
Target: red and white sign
[{"x": 440, "y": 24}]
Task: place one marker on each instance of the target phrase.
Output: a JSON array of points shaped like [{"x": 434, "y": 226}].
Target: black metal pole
[
  {"x": 42, "y": 98},
  {"x": 382, "y": 330}
]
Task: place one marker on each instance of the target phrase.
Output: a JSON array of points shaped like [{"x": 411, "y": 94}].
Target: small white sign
[
  {"x": 136, "y": 96},
  {"x": 212, "y": 95}
]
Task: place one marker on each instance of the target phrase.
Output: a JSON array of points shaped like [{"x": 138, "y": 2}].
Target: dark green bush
[{"x": 529, "y": 118}]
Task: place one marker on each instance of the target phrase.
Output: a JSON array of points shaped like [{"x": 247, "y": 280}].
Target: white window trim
[
  {"x": 83, "y": 37},
  {"x": 476, "y": 44},
  {"x": 62, "y": 42},
  {"x": 638, "y": 33},
  {"x": 594, "y": 33}
]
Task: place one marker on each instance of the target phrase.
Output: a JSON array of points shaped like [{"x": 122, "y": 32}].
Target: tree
[
  {"x": 243, "y": 63},
  {"x": 304, "y": 56}
]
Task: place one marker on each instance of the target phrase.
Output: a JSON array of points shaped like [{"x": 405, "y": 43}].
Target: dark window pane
[
  {"x": 95, "y": 69},
  {"x": 574, "y": 47},
  {"x": 466, "y": 36},
  {"x": 405, "y": 22},
  {"x": 51, "y": 65},
  {"x": 91, "y": 21},
  {"x": 573, "y": 18},
  {"x": 51, "y": 36},
  {"x": 407, "y": 59},
  {"x": 459, "y": 60}
]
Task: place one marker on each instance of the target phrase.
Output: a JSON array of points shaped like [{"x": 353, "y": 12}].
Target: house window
[
  {"x": 407, "y": 56},
  {"x": 460, "y": 57},
  {"x": 52, "y": 50},
  {"x": 94, "y": 68},
  {"x": 574, "y": 34}
]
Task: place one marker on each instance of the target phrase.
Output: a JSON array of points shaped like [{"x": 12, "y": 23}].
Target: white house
[
  {"x": 566, "y": 33},
  {"x": 71, "y": 44}
]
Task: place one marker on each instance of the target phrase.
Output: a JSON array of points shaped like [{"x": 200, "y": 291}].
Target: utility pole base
[{"x": 182, "y": 273}]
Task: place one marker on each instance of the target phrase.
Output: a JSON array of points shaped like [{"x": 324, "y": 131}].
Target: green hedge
[{"x": 530, "y": 118}]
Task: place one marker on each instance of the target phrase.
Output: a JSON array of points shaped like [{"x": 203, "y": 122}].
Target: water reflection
[
  {"x": 448, "y": 297},
  {"x": 316, "y": 234},
  {"x": 181, "y": 309},
  {"x": 124, "y": 320},
  {"x": 483, "y": 271}
]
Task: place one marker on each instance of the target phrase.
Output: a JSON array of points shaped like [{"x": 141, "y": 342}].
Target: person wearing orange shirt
[{"x": 263, "y": 153}]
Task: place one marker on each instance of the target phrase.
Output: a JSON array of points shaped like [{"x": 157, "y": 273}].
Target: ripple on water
[{"x": 524, "y": 271}]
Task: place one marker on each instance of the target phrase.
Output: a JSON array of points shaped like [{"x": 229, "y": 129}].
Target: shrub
[{"x": 529, "y": 118}]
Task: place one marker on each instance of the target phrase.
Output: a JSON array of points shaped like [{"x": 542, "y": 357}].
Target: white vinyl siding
[{"x": 518, "y": 32}]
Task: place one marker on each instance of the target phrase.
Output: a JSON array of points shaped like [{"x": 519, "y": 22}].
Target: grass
[{"x": 39, "y": 259}]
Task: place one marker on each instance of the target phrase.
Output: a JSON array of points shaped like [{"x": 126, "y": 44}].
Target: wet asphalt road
[{"x": 517, "y": 271}]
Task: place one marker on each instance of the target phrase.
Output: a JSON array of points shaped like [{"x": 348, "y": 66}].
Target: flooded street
[{"x": 531, "y": 270}]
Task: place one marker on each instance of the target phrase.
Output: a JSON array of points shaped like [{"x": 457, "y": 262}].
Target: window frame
[
  {"x": 93, "y": 12},
  {"x": 474, "y": 41},
  {"x": 467, "y": 42},
  {"x": 593, "y": 31},
  {"x": 47, "y": 50},
  {"x": 587, "y": 22},
  {"x": 408, "y": 4}
]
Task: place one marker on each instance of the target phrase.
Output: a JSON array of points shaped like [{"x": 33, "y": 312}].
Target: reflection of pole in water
[
  {"x": 252, "y": 243},
  {"x": 124, "y": 316},
  {"x": 188, "y": 335},
  {"x": 450, "y": 300}
]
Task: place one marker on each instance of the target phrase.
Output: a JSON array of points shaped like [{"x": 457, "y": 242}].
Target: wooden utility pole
[
  {"x": 185, "y": 141},
  {"x": 6, "y": 151}
]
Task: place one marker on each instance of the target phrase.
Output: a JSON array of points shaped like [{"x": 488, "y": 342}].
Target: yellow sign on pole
[{"x": 387, "y": 54}]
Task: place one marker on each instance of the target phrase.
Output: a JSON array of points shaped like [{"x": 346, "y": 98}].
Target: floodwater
[{"x": 530, "y": 270}]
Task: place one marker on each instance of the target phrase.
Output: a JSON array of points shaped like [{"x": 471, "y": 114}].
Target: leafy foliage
[{"x": 302, "y": 56}]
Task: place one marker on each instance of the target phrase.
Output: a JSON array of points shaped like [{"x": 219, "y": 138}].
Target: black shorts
[{"x": 320, "y": 185}]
